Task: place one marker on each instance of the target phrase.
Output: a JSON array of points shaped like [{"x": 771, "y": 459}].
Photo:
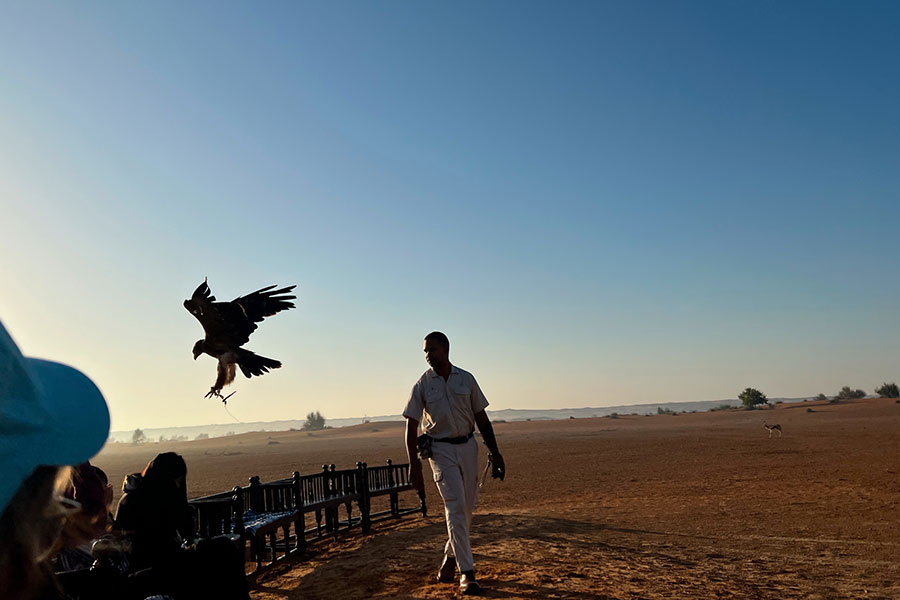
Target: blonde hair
[{"x": 30, "y": 530}]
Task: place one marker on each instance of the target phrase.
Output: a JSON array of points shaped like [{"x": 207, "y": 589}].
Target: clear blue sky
[{"x": 600, "y": 203}]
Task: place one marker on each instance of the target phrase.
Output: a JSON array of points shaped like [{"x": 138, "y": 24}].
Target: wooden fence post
[
  {"x": 362, "y": 478},
  {"x": 237, "y": 499},
  {"x": 392, "y": 481},
  {"x": 333, "y": 511},
  {"x": 257, "y": 502},
  {"x": 300, "y": 521}
]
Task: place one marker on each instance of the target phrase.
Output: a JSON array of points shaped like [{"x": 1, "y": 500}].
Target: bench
[
  {"x": 264, "y": 513},
  {"x": 390, "y": 480},
  {"x": 219, "y": 514},
  {"x": 275, "y": 507}
]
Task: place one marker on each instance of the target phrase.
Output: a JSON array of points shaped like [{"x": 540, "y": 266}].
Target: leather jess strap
[{"x": 456, "y": 440}]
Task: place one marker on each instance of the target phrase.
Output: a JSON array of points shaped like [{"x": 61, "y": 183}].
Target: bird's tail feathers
[{"x": 253, "y": 364}]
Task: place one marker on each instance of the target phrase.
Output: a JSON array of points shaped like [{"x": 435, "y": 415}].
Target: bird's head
[{"x": 198, "y": 349}]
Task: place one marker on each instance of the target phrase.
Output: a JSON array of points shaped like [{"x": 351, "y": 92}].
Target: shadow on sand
[{"x": 400, "y": 559}]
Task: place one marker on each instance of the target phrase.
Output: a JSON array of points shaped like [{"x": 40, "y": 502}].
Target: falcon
[{"x": 228, "y": 325}]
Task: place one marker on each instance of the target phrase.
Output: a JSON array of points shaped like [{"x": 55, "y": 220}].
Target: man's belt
[{"x": 457, "y": 440}]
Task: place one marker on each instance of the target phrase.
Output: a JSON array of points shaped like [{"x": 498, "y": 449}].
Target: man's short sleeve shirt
[{"x": 446, "y": 408}]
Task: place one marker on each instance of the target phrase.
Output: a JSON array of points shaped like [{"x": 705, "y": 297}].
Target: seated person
[
  {"x": 90, "y": 489},
  {"x": 154, "y": 512},
  {"x": 155, "y": 515},
  {"x": 52, "y": 416}
]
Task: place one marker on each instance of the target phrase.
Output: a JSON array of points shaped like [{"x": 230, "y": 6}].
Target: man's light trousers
[{"x": 455, "y": 468}]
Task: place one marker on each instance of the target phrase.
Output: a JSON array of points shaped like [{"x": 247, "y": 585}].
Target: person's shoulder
[
  {"x": 428, "y": 374},
  {"x": 464, "y": 373}
]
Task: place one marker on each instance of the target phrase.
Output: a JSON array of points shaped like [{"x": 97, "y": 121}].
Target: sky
[{"x": 600, "y": 203}]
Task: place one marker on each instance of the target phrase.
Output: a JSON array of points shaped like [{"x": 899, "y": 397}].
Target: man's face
[{"x": 435, "y": 354}]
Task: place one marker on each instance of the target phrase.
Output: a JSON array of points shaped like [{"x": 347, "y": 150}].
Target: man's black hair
[{"x": 440, "y": 338}]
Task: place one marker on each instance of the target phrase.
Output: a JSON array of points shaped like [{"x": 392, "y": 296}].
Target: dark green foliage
[
  {"x": 314, "y": 421},
  {"x": 847, "y": 394},
  {"x": 138, "y": 437},
  {"x": 888, "y": 390},
  {"x": 750, "y": 398},
  {"x": 822, "y": 397}
]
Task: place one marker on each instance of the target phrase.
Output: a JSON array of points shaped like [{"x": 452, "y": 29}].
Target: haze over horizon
[{"x": 599, "y": 203}]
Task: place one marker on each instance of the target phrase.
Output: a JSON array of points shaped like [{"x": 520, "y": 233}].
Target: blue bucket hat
[{"x": 50, "y": 414}]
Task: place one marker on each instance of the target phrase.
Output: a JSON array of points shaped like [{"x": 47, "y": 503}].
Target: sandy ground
[{"x": 689, "y": 506}]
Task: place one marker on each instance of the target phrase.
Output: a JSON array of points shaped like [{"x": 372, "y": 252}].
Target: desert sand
[{"x": 702, "y": 505}]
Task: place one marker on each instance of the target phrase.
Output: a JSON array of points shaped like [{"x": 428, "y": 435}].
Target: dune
[{"x": 702, "y": 505}]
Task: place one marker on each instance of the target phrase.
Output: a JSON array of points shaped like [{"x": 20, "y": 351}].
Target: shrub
[
  {"x": 847, "y": 394},
  {"x": 750, "y": 398},
  {"x": 822, "y": 397},
  {"x": 664, "y": 411},
  {"x": 810, "y": 410},
  {"x": 888, "y": 390},
  {"x": 138, "y": 437},
  {"x": 314, "y": 421}
]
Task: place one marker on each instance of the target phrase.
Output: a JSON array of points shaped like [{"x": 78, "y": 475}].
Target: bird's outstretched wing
[
  {"x": 200, "y": 304},
  {"x": 265, "y": 302},
  {"x": 224, "y": 323},
  {"x": 228, "y": 325}
]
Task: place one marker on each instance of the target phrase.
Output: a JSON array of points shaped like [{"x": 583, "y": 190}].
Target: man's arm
[
  {"x": 487, "y": 434},
  {"x": 412, "y": 453}
]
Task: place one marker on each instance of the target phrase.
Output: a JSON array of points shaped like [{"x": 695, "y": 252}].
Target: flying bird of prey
[{"x": 228, "y": 325}]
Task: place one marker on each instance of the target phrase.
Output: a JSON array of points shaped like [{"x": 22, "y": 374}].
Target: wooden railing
[{"x": 262, "y": 514}]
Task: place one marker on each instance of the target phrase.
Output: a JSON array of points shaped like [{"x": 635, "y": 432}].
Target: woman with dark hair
[{"x": 154, "y": 512}]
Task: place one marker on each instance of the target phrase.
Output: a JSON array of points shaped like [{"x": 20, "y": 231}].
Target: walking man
[{"x": 448, "y": 404}]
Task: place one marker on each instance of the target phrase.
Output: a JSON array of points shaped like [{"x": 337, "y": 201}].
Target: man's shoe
[
  {"x": 467, "y": 584},
  {"x": 447, "y": 574}
]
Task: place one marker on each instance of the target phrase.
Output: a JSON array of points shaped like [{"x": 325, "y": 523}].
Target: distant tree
[
  {"x": 847, "y": 394},
  {"x": 202, "y": 436},
  {"x": 888, "y": 390},
  {"x": 664, "y": 411},
  {"x": 138, "y": 437},
  {"x": 314, "y": 421},
  {"x": 750, "y": 398},
  {"x": 822, "y": 397}
]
